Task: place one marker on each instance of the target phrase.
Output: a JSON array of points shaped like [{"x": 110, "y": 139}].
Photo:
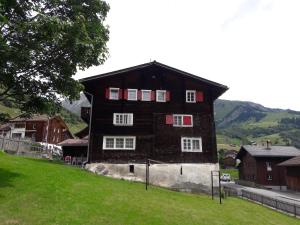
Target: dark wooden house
[
  {"x": 152, "y": 111},
  {"x": 259, "y": 164},
  {"x": 40, "y": 128},
  {"x": 292, "y": 177}
]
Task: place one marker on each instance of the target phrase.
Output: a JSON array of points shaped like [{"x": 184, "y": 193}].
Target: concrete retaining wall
[{"x": 194, "y": 178}]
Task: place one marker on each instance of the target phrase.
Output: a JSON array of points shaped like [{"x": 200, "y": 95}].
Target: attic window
[
  {"x": 114, "y": 93},
  {"x": 190, "y": 96},
  {"x": 269, "y": 166},
  {"x": 132, "y": 94},
  {"x": 161, "y": 96}
]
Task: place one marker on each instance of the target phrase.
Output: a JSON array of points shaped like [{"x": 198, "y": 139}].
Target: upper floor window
[
  {"x": 191, "y": 144},
  {"x": 114, "y": 93},
  {"x": 146, "y": 95},
  {"x": 190, "y": 96},
  {"x": 182, "y": 120},
  {"x": 119, "y": 143},
  {"x": 269, "y": 166},
  {"x": 33, "y": 126},
  {"x": 123, "y": 119},
  {"x": 161, "y": 96},
  {"x": 132, "y": 94}
]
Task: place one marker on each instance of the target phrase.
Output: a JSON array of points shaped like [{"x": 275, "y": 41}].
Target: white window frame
[
  {"x": 129, "y": 119},
  {"x": 124, "y": 141},
  {"x": 161, "y": 91},
  {"x": 114, "y": 89},
  {"x": 144, "y": 91},
  {"x": 186, "y": 96},
  {"x": 191, "y": 140},
  {"x": 181, "y": 116},
  {"x": 136, "y": 93}
]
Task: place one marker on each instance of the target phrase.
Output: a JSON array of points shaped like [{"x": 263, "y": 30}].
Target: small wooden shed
[{"x": 292, "y": 173}]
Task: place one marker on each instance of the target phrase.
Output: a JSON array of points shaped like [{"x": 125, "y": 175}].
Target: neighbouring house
[
  {"x": 259, "y": 164},
  {"x": 153, "y": 111},
  {"x": 229, "y": 160},
  {"x": 38, "y": 128},
  {"x": 292, "y": 167}
]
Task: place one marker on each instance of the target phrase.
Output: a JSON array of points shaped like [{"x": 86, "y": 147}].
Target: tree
[{"x": 42, "y": 45}]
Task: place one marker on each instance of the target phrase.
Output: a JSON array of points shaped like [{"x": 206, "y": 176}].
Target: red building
[
  {"x": 39, "y": 128},
  {"x": 259, "y": 164}
]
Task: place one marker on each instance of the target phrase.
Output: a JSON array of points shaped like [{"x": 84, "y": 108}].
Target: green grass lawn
[
  {"x": 40, "y": 192},
  {"x": 234, "y": 173}
]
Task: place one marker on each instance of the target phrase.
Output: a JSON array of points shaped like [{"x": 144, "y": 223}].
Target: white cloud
[{"x": 251, "y": 46}]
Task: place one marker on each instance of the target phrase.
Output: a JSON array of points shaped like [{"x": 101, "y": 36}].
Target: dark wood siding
[
  {"x": 277, "y": 173},
  {"x": 247, "y": 168},
  {"x": 293, "y": 178},
  {"x": 154, "y": 138}
]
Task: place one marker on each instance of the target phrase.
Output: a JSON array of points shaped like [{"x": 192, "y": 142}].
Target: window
[
  {"x": 123, "y": 119},
  {"x": 131, "y": 168},
  {"x": 182, "y": 120},
  {"x": 33, "y": 126},
  {"x": 118, "y": 143},
  {"x": 190, "y": 96},
  {"x": 146, "y": 95},
  {"x": 269, "y": 177},
  {"x": 191, "y": 144},
  {"x": 269, "y": 166},
  {"x": 114, "y": 93},
  {"x": 132, "y": 94},
  {"x": 161, "y": 96}
]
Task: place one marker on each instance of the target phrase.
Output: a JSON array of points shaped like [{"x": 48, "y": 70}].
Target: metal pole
[
  {"x": 212, "y": 185},
  {"x": 220, "y": 187},
  {"x": 146, "y": 174}
]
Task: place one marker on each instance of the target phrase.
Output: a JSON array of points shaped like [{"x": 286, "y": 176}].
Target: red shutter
[
  {"x": 169, "y": 119},
  {"x": 125, "y": 94},
  {"x": 152, "y": 95},
  {"x": 167, "y": 96},
  {"x": 139, "y": 95},
  {"x": 199, "y": 96},
  {"x": 120, "y": 94},
  {"x": 107, "y": 93},
  {"x": 187, "y": 120}
]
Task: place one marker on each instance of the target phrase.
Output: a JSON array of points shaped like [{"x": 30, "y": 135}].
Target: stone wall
[{"x": 194, "y": 177}]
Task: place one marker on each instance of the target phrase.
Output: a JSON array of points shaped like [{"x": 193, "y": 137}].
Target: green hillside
[
  {"x": 246, "y": 122},
  {"x": 36, "y": 191}
]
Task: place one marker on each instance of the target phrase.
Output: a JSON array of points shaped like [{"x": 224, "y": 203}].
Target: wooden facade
[
  {"x": 40, "y": 128},
  {"x": 292, "y": 167},
  {"x": 155, "y": 138},
  {"x": 263, "y": 169}
]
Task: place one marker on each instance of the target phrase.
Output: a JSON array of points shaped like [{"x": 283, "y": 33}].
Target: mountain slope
[{"x": 246, "y": 122}]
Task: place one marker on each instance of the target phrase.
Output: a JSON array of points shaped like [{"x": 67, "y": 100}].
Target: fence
[
  {"x": 25, "y": 147},
  {"x": 284, "y": 206}
]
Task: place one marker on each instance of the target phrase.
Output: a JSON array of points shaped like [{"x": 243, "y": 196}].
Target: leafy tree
[{"x": 42, "y": 44}]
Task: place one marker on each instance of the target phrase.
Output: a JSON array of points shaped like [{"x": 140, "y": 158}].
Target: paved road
[{"x": 287, "y": 196}]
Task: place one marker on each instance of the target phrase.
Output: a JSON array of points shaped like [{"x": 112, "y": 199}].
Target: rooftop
[
  {"x": 74, "y": 142},
  {"x": 291, "y": 162},
  {"x": 272, "y": 151}
]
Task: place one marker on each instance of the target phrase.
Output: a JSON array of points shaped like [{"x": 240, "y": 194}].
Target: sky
[{"x": 252, "y": 46}]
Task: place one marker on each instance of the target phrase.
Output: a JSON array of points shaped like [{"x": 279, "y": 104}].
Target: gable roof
[
  {"x": 155, "y": 63},
  {"x": 291, "y": 162},
  {"x": 273, "y": 151}
]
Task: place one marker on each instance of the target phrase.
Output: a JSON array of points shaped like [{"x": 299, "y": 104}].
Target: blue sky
[{"x": 252, "y": 46}]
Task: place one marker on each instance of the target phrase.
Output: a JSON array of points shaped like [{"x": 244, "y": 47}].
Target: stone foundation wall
[{"x": 194, "y": 177}]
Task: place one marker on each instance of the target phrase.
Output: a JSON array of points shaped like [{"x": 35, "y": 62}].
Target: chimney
[{"x": 268, "y": 144}]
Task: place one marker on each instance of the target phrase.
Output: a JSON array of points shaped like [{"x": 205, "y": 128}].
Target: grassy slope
[{"x": 38, "y": 192}]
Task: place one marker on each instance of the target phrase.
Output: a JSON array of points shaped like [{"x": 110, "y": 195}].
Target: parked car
[{"x": 225, "y": 177}]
